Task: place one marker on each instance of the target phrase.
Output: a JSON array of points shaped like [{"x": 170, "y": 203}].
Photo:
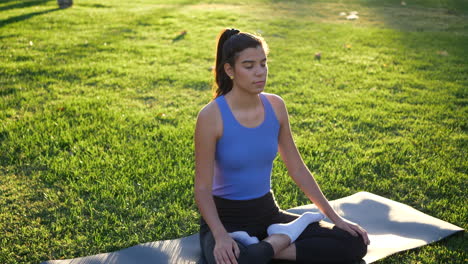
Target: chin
[{"x": 258, "y": 90}]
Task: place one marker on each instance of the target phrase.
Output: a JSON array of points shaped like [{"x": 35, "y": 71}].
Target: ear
[{"x": 228, "y": 69}]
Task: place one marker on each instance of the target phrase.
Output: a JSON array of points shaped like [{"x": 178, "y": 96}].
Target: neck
[{"x": 239, "y": 99}]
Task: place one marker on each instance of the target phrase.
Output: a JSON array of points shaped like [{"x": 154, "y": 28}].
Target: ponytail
[{"x": 230, "y": 43}]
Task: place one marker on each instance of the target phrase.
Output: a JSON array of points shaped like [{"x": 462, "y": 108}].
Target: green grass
[{"x": 98, "y": 106}]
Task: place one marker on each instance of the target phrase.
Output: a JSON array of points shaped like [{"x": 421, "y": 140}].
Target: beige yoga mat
[{"x": 392, "y": 227}]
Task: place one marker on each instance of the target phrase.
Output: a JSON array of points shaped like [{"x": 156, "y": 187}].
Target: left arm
[{"x": 301, "y": 174}]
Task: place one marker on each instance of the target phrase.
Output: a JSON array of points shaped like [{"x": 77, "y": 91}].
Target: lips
[{"x": 259, "y": 82}]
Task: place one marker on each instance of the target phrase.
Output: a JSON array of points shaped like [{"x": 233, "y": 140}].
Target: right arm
[{"x": 207, "y": 131}]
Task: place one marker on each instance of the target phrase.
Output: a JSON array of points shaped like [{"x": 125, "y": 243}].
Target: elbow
[
  {"x": 201, "y": 191},
  {"x": 202, "y": 196},
  {"x": 201, "y": 185},
  {"x": 299, "y": 173}
]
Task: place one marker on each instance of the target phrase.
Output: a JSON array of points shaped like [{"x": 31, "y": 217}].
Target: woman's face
[{"x": 250, "y": 71}]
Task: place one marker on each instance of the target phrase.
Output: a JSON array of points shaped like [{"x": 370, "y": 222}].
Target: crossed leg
[{"x": 280, "y": 238}]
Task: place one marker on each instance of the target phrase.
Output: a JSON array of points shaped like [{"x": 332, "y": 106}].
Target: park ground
[{"x": 98, "y": 104}]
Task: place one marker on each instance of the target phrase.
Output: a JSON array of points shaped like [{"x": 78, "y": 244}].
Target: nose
[{"x": 261, "y": 71}]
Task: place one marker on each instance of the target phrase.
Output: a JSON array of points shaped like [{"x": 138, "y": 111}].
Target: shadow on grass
[
  {"x": 20, "y": 18},
  {"x": 95, "y": 5},
  {"x": 23, "y": 4}
]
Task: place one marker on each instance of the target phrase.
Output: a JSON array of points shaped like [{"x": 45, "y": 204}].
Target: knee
[
  {"x": 357, "y": 249},
  {"x": 361, "y": 248},
  {"x": 256, "y": 254},
  {"x": 208, "y": 256},
  {"x": 207, "y": 244}
]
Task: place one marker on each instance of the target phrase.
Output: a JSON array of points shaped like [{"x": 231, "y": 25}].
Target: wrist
[
  {"x": 218, "y": 233},
  {"x": 334, "y": 217}
]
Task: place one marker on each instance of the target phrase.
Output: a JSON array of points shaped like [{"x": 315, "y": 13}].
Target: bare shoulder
[
  {"x": 209, "y": 111},
  {"x": 278, "y": 105},
  {"x": 274, "y": 98},
  {"x": 209, "y": 118}
]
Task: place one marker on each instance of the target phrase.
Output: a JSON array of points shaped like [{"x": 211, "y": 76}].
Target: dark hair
[{"x": 230, "y": 43}]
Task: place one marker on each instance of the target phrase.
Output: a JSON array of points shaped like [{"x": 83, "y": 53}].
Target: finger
[
  {"x": 362, "y": 233},
  {"x": 350, "y": 230},
  {"x": 221, "y": 258},
  {"x": 226, "y": 258},
  {"x": 365, "y": 236},
  {"x": 217, "y": 259},
  {"x": 231, "y": 256},
  {"x": 236, "y": 250}
]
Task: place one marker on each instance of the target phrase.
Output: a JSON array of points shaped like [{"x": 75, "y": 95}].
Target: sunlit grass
[{"x": 98, "y": 106}]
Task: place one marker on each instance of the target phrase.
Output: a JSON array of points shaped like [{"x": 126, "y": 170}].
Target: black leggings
[{"x": 320, "y": 242}]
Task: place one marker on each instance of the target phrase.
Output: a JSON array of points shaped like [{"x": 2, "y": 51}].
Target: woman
[{"x": 237, "y": 137}]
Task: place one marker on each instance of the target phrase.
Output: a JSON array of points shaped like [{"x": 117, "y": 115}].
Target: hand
[
  {"x": 353, "y": 228},
  {"x": 226, "y": 250}
]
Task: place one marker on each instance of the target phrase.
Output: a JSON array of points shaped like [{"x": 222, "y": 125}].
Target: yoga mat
[{"x": 392, "y": 227}]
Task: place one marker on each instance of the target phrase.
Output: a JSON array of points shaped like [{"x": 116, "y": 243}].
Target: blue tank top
[{"x": 244, "y": 156}]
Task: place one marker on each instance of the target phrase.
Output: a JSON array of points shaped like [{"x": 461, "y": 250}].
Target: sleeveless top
[{"x": 244, "y": 156}]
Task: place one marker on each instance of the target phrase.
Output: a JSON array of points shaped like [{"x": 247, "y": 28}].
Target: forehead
[{"x": 251, "y": 54}]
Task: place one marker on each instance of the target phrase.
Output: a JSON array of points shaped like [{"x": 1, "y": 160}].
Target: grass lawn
[{"x": 98, "y": 104}]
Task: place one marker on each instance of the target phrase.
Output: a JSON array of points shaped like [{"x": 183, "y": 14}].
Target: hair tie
[{"x": 233, "y": 32}]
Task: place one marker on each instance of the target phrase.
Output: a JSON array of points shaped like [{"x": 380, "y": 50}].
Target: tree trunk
[{"x": 65, "y": 3}]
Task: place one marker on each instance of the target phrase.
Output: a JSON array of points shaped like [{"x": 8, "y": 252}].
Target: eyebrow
[{"x": 251, "y": 61}]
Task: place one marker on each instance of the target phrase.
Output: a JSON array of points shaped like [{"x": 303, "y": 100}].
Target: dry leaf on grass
[
  {"x": 442, "y": 53},
  {"x": 180, "y": 36},
  {"x": 318, "y": 56}
]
